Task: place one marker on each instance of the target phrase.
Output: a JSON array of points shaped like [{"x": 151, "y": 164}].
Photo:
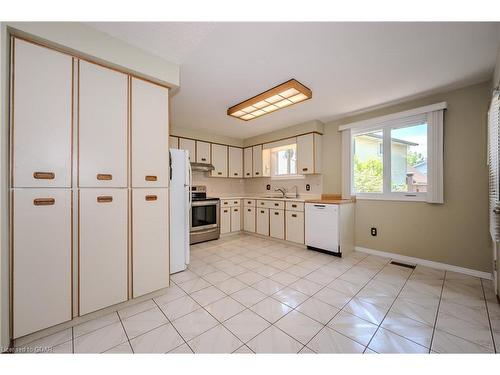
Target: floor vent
[{"x": 403, "y": 264}]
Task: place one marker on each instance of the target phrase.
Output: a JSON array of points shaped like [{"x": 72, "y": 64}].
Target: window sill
[
  {"x": 289, "y": 177},
  {"x": 396, "y": 197}
]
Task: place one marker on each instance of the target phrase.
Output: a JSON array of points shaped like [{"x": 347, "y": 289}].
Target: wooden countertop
[{"x": 331, "y": 199}]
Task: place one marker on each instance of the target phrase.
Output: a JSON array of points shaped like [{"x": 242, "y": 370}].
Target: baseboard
[{"x": 427, "y": 263}]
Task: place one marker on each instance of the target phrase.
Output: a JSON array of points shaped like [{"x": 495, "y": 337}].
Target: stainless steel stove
[{"x": 205, "y": 223}]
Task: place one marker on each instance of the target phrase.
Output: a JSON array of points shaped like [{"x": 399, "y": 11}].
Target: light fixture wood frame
[{"x": 291, "y": 84}]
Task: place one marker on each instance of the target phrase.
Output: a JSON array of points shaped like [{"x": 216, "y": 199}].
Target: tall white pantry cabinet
[{"x": 89, "y": 187}]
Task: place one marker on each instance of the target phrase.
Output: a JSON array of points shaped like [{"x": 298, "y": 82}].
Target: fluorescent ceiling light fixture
[{"x": 288, "y": 93}]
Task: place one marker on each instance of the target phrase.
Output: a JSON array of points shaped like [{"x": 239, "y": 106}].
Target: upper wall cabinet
[
  {"x": 219, "y": 160},
  {"x": 173, "y": 142},
  {"x": 190, "y": 146},
  {"x": 248, "y": 162},
  {"x": 41, "y": 117},
  {"x": 309, "y": 153},
  {"x": 102, "y": 127},
  {"x": 235, "y": 162},
  {"x": 203, "y": 152},
  {"x": 257, "y": 161},
  {"x": 149, "y": 134}
]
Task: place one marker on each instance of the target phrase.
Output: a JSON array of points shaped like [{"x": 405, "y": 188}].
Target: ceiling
[{"x": 348, "y": 66}]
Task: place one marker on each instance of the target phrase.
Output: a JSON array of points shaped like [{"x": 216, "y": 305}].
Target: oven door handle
[
  {"x": 204, "y": 203},
  {"x": 205, "y": 231}
]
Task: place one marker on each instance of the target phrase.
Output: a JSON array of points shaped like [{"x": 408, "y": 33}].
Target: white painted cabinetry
[
  {"x": 149, "y": 141},
  {"x": 294, "y": 225},
  {"x": 235, "y": 219},
  {"x": 102, "y": 127},
  {"x": 225, "y": 220},
  {"x": 188, "y": 145},
  {"x": 42, "y": 117},
  {"x": 262, "y": 221},
  {"x": 173, "y": 142},
  {"x": 219, "y": 160},
  {"x": 248, "y": 162},
  {"x": 150, "y": 251},
  {"x": 249, "y": 219},
  {"x": 277, "y": 223},
  {"x": 203, "y": 152},
  {"x": 41, "y": 259},
  {"x": 235, "y": 162},
  {"x": 257, "y": 160},
  {"x": 309, "y": 153}
]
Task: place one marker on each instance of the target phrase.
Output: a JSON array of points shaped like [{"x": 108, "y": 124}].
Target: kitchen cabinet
[
  {"x": 149, "y": 140},
  {"x": 150, "y": 246},
  {"x": 225, "y": 220},
  {"x": 249, "y": 219},
  {"x": 41, "y": 117},
  {"x": 257, "y": 161},
  {"x": 235, "y": 162},
  {"x": 277, "y": 223},
  {"x": 173, "y": 142},
  {"x": 262, "y": 219},
  {"x": 103, "y": 248},
  {"x": 219, "y": 160},
  {"x": 309, "y": 153},
  {"x": 248, "y": 162},
  {"x": 203, "y": 152},
  {"x": 102, "y": 127},
  {"x": 190, "y": 146},
  {"x": 41, "y": 259},
  {"x": 294, "y": 225},
  {"x": 235, "y": 219}
]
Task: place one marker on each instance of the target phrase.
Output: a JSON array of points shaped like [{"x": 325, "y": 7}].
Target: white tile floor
[{"x": 245, "y": 294}]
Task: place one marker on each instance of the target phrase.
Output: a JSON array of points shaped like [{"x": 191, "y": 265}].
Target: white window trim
[
  {"x": 286, "y": 142},
  {"x": 434, "y": 117}
]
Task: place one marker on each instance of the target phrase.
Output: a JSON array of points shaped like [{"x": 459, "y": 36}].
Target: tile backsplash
[{"x": 216, "y": 186}]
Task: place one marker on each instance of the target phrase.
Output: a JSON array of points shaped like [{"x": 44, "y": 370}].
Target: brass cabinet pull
[
  {"x": 105, "y": 199},
  {"x": 151, "y": 178},
  {"x": 226, "y": 202},
  {"x": 104, "y": 177},
  {"x": 256, "y": 172},
  {"x": 262, "y": 212},
  {"x": 276, "y": 213},
  {"x": 294, "y": 205},
  {"x": 44, "y": 175},
  {"x": 248, "y": 174},
  {"x": 44, "y": 201},
  {"x": 236, "y": 174},
  {"x": 262, "y": 203},
  {"x": 235, "y": 210},
  {"x": 225, "y": 210},
  {"x": 249, "y": 210},
  {"x": 276, "y": 204},
  {"x": 151, "y": 197},
  {"x": 235, "y": 202},
  {"x": 304, "y": 169},
  {"x": 219, "y": 173},
  {"x": 203, "y": 159},
  {"x": 294, "y": 215}
]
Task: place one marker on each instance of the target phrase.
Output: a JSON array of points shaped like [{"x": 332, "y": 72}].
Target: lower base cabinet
[
  {"x": 150, "y": 241},
  {"x": 235, "y": 219},
  {"x": 249, "y": 219},
  {"x": 294, "y": 226},
  {"x": 103, "y": 248},
  {"x": 263, "y": 221},
  {"x": 225, "y": 220},
  {"x": 41, "y": 259},
  {"x": 277, "y": 224}
]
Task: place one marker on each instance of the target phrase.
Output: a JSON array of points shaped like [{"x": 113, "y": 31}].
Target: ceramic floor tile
[
  {"x": 344, "y": 287},
  {"x": 172, "y": 293},
  {"x": 246, "y": 325},
  {"x": 422, "y": 309},
  {"x": 322, "y": 277},
  {"x": 183, "y": 276},
  {"x": 243, "y": 350},
  {"x": 290, "y": 297},
  {"x": 446, "y": 343},
  {"x": 248, "y": 296},
  {"x": 64, "y": 348},
  {"x": 364, "y": 310},
  {"x": 332, "y": 297},
  {"x": 271, "y": 309},
  {"x": 235, "y": 270},
  {"x": 408, "y": 328},
  {"x": 284, "y": 278},
  {"x": 216, "y": 277},
  {"x": 387, "y": 342},
  {"x": 95, "y": 324},
  {"x": 353, "y": 327},
  {"x": 136, "y": 309},
  {"x": 124, "y": 348},
  {"x": 250, "y": 277},
  {"x": 208, "y": 295},
  {"x": 231, "y": 285},
  {"x": 330, "y": 341},
  {"x": 194, "y": 324},
  {"x": 179, "y": 307},
  {"x": 216, "y": 340},
  {"x": 273, "y": 340},
  {"x": 159, "y": 340},
  {"x": 45, "y": 343},
  {"x": 100, "y": 340},
  {"x": 194, "y": 285},
  {"x": 138, "y": 324},
  {"x": 307, "y": 287},
  {"x": 268, "y": 286},
  {"x": 299, "y": 326},
  {"x": 182, "y": 349},
  {"x": 225, "y": 308},
  {"x": 318, "y": 310},
  {"x": 298, "y": 271},
  {"x": 203, "y": 269}
]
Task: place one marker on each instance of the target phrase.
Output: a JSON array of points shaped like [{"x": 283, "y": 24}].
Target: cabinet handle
[
  {"x": 44, "y": 201},
  {"x": 151, "y": 178},
  {"x": 236, "y": 210},
  {"x": 276, "y": 213},
  {"x": 276, "y": 204},
  {"x": 225, "y": 202},
  {"x": 262, "y": 203},
  {"x": 219, "y": 173},
  {"x": 225, "y": 210},
  {"x": 294, "y": 215},
  {"x": 256, "y": 172},
  {"x": 304, "y": 169},
  {"x": 104, "y": 199},
  {"x": 203, "y": 159},
  {"x": 104, "y": 177},
  {"x": 249, "y": 210},
  {"x": 248, "y": 174},
  {"x": 294, "y": 205},
  {"x": 44, "y": 175},
  {"x": 262, "y": 212},
  {"x": 236, "y": 174},
  {"x": 151, "y": 197}
]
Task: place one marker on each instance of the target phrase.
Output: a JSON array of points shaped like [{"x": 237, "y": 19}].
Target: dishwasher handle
[{"x": 321, "y": 206}]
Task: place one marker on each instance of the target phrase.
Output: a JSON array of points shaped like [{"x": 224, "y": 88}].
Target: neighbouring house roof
[{"x": 401, "y": 141}]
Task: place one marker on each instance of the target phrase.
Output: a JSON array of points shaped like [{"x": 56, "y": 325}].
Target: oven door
[{"x": 204, "y": 215}]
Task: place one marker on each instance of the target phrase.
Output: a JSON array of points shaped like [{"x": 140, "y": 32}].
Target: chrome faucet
[
  {"x": 296, "y": 191},
  {"x": 282, "y": 190}
]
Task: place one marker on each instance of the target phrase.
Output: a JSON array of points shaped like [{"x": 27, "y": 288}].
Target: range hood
[{"x": 202, "y": 167}]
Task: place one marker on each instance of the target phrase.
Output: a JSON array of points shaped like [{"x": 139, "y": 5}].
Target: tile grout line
[
  {"x": 488, "y": 314},
  {"x": 437, "y": 311},
  {"x": 126, "y": 334}
]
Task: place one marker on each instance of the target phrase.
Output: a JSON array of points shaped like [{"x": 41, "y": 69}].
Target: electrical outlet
[
  {"x": 308, "y": 187},
  {"x": 373, "y": 232},
  {"x": 268, "y": 187}
]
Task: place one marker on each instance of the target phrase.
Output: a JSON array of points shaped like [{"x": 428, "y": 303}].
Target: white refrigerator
[{"x": 180, "y": 209}]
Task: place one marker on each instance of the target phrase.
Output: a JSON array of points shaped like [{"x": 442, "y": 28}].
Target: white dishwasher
[{"x": 322, "y": 229}]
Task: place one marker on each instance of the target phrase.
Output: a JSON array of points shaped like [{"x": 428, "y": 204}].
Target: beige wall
[
  {"x": 208, "y": 137},
  {"x": 291, "y": 131},
  {"x": 455, "y": 232}
]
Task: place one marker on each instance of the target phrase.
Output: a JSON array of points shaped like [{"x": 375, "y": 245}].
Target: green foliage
[
  {"x": 414, "y": 158},
  {"x": 368, "y": 175}
]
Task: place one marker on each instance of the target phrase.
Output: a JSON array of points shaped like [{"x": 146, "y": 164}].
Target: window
[
  {"x": 284, "y": 160},
  {"x": 395, "y": 157}
]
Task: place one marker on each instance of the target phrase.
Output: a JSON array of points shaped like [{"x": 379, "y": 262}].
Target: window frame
[{"x": 273, "y": 158}]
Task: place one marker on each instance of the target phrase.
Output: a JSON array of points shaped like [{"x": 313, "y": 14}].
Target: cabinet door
[
  {"x": 102, "y": 127},
  {"x": 263, "y": 221},
  {"x": 188, "y": 145},
  {"x": 149, "y": 134},
  {"x": 248, "y": 162},
  {"x": 249, "y": 219},
  {"x": 203, "y": 152},
  {"x": 305, "y": 154},
  {"x": 150, "y": 249},
  {"x": 235, "y": 219},
  {"x": 257, "y": 160},
  {"x": 103, "y": 248},
  {"x": 277, "y": 224},
  {"x": 295, "y": 226},
  {"x": 41, "y": 259},
  {"x": 219, "y": 160},
  {"x": 235, "y": 162},
  {"x": 173, "y": 142},
  {"x": 225, "y": 220},
  {"x": 42, "y": 117}
]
